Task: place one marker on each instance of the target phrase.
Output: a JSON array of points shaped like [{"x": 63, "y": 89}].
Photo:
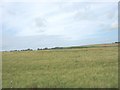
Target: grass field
[{"x": 63, "y": 68}]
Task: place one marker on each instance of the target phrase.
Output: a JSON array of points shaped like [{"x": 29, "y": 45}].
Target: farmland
[{"x": 88, "y": 67}]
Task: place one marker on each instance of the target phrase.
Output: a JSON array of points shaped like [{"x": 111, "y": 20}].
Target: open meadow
[{"x": 93, "y": 67}]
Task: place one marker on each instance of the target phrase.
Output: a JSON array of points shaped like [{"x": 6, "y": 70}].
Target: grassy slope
[{"x": 86, "y": 67}]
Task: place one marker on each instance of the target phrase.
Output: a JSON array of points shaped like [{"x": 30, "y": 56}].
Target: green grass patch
[{"x": 64, "y": 68}]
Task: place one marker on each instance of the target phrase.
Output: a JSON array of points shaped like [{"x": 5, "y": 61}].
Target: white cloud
[
  {"x": 70, "y": 20},
  {"x": 114, "y": 25},
  {"x": 60, "y": 0}
]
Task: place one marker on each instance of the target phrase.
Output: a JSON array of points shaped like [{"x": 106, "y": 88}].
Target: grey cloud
[
  {"x": 40, "y": 23},
  {"x": 89, "y": 13}
]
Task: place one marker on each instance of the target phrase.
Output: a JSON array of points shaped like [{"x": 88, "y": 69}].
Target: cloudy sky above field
[{"x": 58, "y": 23}]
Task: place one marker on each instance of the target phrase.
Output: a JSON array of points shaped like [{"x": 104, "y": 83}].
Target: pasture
[{"x": 95, "y": 67}]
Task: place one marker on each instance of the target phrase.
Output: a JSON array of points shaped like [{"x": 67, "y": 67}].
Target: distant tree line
[
  {"x": 23, "y": 50},
  {"x": 117, "y": 42},
  {"x": 50, "y": 48},
  {"x": 45, "y": 48},
  {"x": 27, "y": 49},
  {"x": 37, "y": 49}
]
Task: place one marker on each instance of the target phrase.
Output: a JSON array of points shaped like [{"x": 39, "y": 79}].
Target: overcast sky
[{"x": 57, "y": 23}]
